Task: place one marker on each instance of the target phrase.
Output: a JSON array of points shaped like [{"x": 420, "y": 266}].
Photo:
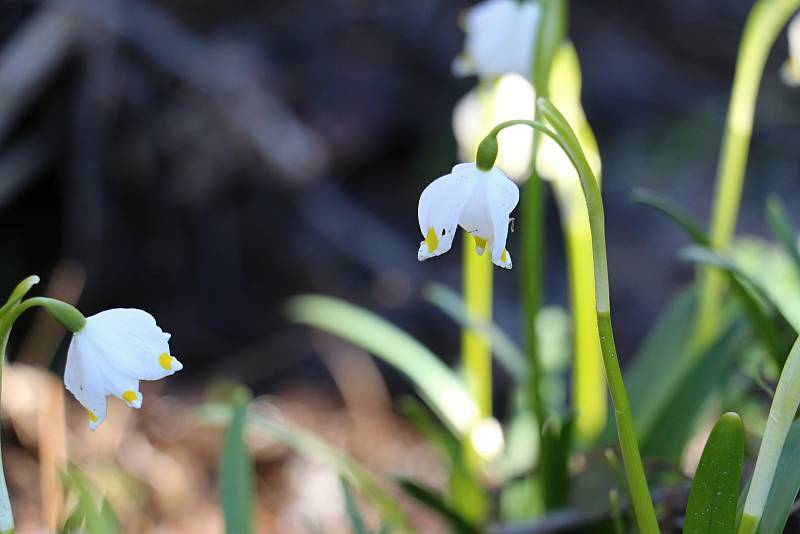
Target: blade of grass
[
  {"x": 351, "y": 507},
  {"x": 236, "y": 471}
]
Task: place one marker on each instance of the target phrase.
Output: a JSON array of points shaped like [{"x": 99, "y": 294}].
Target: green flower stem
[
  {"x": 549, "y": 37},
  {"x": 476, "y": 356},
  {"x": 634, "y": 470},
  {"x": 764, "y": 24},
  {"x": 64, "y": 313},
  {"x": 781, "y": 414}
]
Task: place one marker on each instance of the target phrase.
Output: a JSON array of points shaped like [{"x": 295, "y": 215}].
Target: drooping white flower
[
  {"x": 478, "y": 201},
  {"x": 791, "y": 69},
  {"x": 500, "y": 38},
  {"x": 114, "y": 350}
]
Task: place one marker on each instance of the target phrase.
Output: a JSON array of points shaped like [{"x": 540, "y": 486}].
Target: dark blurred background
[{"x": 206, "y": 159}]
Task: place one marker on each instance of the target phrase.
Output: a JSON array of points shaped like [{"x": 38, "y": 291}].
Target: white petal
[
  {"x": 83, "y": 378},
  {"x": 793, "y": 34},
  {"x": 129, "y": 341},
  {"x": 439, "y": 209},
  {"x": 501, "y": 35},
  {"x": 790, "y": 70},
  {"x": 502, "y": 196}
]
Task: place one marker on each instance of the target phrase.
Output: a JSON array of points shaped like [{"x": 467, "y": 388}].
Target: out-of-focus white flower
[
  {"x": 500, "y": 37},
  {"x": 791, "y": 69},
  {"x": 114, "y": 350},
  {"x": 479, "y": 201},
  {"x": 480, "y": 110},
  {"x": 565, "y": 87},
  {"x": 487, "y": 439}
]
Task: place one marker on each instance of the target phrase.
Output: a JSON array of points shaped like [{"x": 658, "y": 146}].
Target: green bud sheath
[
  {"x": 487, "y": 153},
  {"x": 66, "y": 314}
]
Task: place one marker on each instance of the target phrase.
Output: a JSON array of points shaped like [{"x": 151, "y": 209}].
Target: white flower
[
  {"x": 791, "y": 69},
  {"x": 501, "y": 35},
  {"x": 479, "y": 201},
  {"x": 114, "y": 350}
]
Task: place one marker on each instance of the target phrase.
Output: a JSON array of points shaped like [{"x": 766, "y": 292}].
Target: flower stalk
[
  {"x": 764, "y": 24},
  {"x": 476, "y": 355},
  {"x": 634, "y": 470}
]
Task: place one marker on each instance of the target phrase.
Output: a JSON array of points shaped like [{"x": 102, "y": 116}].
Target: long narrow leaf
[
  {"x": 782, "y": 229},
  {"x": 766, "y": 318},
  {"x": 712, "y": 500},
  {"x": 351, "y": 507},
  {"x": 431, "y": 499},
  {"x": 649, "y": 199},
  {"x": 236, "y": 471},
  {"x": 508, "y": 354},
  {"x": 436, "y": 383},
  {"x": 785, "y": 485}
]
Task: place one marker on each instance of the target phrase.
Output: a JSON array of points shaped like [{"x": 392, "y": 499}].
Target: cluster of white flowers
[{"x": 500, "y": 39}]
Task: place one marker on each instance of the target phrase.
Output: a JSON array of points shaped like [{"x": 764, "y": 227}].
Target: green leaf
[
  {"x": 441, "y": 389},
  {"x": 782, "y": 229},
  {"x": 659, "y": 355},
  {"x": 86, "y": 517},
  {"x": 785, "y": 485},
  {"x": 508, "y": 354},
  {"x": 677, "y": 422},
  {"x": 465, "y": 492},
  {"x": 556, "y": 447},
  {"x": 766, "y": 319},
  {"x": 351, "y": 507},
  {"x": 434, "y": 501},
  {"x": 236, "y": 470},
  {"x": 712, "y": 500},
  {"x": 649, "y": 199},
  {"x": 264, "y": 422}
]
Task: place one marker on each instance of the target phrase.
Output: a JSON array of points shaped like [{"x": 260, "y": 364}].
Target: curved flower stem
[
  {"x": 764, "y": 24},
  {"x": 634, "y": 470},
  {"x": 72, "y": 320},
  {"x": 781, "y": 414}
]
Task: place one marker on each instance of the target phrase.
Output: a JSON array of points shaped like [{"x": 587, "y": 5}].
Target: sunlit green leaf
[
  {"x": 785, "y": 485},
  {"x": 712, "y": 501},
  {"x": 766, "y": 319},
  {"x": 436, "y": 383}
]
